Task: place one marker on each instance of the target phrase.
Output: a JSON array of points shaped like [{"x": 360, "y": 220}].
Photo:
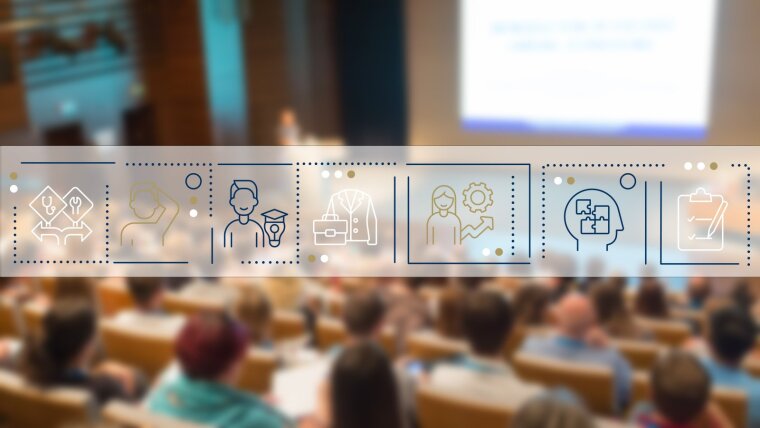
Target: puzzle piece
[
  {"x": 601, "y": 227},
  {"x": 587, "y": 226},
  {"x": 583, "y": 206},
  {"x": 602, "y": 212}
]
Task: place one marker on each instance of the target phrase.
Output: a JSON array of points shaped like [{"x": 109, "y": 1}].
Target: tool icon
[{"x": 48, "y": 206}]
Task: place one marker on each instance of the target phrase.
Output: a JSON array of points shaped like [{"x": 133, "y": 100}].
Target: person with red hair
[{"x": 211, "y": 349}]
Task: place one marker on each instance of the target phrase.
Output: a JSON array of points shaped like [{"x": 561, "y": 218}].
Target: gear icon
[{"x": 478, "y": 197}]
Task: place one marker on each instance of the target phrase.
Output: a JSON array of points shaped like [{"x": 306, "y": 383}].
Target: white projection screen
[{"x": 590, "y": 72}]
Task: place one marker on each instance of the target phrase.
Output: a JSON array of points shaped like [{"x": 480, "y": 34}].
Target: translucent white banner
[{"x": 377, "y": 211}]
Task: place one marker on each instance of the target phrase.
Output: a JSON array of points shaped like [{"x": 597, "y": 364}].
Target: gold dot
[
  {"x": 570, "y": 180},
  {"x": 499, "y": 251},
  {"x": 193, "y": 200},
  {"x": 312, "y": 258},
  {"x": 14, "y": 176},
  {"x": 713, "y": 166},
  {"x": 351, "y": 174}
]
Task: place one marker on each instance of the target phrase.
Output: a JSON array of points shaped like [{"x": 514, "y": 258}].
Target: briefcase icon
[{"x": 330, "y": 230}]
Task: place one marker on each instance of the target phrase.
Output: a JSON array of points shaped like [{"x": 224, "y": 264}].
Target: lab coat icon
[
  {"x": 350, "y": 217},
  {"x": 701, "y": 217}
]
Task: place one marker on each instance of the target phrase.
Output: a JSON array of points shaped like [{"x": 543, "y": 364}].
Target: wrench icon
[{"x": 75, "y": 203}]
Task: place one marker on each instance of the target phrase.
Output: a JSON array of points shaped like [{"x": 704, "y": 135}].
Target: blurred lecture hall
[{"x": 379, "y": 213}]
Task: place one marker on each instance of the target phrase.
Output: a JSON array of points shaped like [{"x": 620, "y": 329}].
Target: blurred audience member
[
  {"x": 62, "y": 353},
  {"x": 532, "y": 305},
  {"x": 147, "y": 294},
  {"x": 362, "y": 392},
  {"x": 148, "y": 313},
  {"x": 680, "y": 393},
  {"x": 406, "y": 311},
  {"x": 732, "y": 337},
  {"x": 211, "y": 349},
  {"x": 255, "y": 312},
  {"x": 484, "y": 373},
  {"x": 552, "y": 412},
  {"x": 651, "y": 300},
  {"x": 363, "y": 315},
  {"x": 742, "y": 296},
  {"x": 698, "y": 290},
  {"x": 579, "y": 341},
  {"x": 450, "y": 312},
  {"x": 613, "y": 314}
]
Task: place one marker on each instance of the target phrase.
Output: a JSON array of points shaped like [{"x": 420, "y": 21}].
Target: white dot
[
  {"x": 14, "y": 188},
  {"x": 687, "y": 166},
  {"x": 486, "y": 252},
  {"x": 701, "y": 166},
  {"x": 557, "y": 180},
  {"x": 193, "y": 213},
  {"x": 338, "y": 174},
  {"x": 323, "y": 258},
  {"x": 325, "y": 174}
]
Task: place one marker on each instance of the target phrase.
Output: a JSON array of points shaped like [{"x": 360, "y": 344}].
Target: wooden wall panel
[
  {"x": 173, "y": 70},
  {"x": 12, "y": 102}
]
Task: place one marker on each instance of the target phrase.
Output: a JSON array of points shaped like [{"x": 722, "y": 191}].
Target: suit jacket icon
[{"x": 357, "y": 209}]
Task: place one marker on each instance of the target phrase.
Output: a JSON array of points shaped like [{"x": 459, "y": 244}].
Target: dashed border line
[{"x": 749, "y": 209}]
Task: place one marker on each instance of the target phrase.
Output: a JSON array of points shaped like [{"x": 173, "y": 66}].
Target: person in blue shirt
[
  {"x": 211, "y": 349},
  {"x": 731, "y": 337},
  {"x": 579, "y": 340}
]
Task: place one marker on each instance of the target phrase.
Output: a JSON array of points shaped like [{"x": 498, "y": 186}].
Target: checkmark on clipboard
[{"x": 701, "y": 219}]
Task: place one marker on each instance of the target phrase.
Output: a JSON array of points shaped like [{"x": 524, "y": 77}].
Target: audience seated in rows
[
  {"x": 62, "y": 355},
  {"x": 362, "y": 391},
  {"x": 148, "y": 312},
  {"x": 211, "y": 349},
  {"x": 680, "y": 394},
  {"x": 579, "y": 340},
  {"x": 732, "y": 336},
  {"x": 613, "y": 314}
]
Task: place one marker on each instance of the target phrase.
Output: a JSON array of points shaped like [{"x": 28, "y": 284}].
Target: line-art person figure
[
  {"x": 244, "y": 231},
  {"x": 156, "y": 211},
  {"x": 444, "y": 227}
]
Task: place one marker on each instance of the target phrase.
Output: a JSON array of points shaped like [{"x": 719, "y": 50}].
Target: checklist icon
[{"x": 701, "y": 217}]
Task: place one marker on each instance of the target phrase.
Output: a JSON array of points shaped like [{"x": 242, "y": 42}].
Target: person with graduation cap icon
[{"x": 245, "y": 232}]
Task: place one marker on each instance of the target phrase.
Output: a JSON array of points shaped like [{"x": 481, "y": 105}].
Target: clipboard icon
[{"x": 701, "y": 217}]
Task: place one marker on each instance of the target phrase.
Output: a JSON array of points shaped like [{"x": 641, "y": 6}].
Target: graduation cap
[{"x": 274, "y": 215}]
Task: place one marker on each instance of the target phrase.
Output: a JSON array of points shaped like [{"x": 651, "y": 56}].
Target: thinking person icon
[
  {"x": 593, "y": 219},
  {"x": 444, "y": 228},
  {"x": 155, "y": 210},
  {"x": 244, "y": 231}
]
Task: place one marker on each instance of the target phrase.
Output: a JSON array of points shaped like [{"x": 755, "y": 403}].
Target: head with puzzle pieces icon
[{"x": 593, "y": 219}]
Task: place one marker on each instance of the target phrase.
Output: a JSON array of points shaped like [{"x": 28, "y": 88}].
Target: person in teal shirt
[
  {"x": 211, "y": 349},
  {"x": 732, "y": 337}
]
